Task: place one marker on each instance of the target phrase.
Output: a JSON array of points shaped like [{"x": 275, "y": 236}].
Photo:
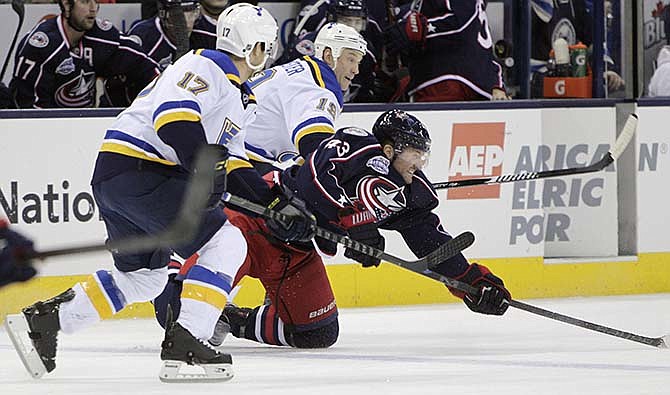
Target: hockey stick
[
  {"x": 394, "y": 63},
  {"x": 658, "y": 342},
  {"x": 449, "y": 249},
  {"x": 19, "y": 8},
  {"x": 620, "y": 145},
  {"x": 182, "y": 230}
]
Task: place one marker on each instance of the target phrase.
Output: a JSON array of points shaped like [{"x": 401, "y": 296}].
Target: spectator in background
[
  {"x": 204, "y": 29},
  {"x": 353, "y": 13},
  {"x": 659, "y": 85},
  {"x": 57, "y": 62},
  {"x": 448, "y": 48}
]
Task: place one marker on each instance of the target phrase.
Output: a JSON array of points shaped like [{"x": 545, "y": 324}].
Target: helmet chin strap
[{"x": 258, "y": 66}]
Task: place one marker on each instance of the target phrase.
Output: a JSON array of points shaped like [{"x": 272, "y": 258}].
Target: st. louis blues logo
[{"x": 381, "y": 196}]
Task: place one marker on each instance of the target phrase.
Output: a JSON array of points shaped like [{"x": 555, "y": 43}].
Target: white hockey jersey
[
  {"x": 294, "y": 100},
  {"x": 203, "y": 85}
]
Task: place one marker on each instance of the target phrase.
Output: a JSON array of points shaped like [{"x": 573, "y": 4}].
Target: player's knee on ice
[{"x": 322, "y": 337}]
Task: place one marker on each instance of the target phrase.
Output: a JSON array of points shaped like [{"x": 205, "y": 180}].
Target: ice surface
[{"x": 439, "y": 349}]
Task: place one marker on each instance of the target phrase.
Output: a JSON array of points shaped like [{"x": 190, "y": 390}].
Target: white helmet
[
  {"x": 243, "y": 25},
  {"x": 337, "y": 36}
]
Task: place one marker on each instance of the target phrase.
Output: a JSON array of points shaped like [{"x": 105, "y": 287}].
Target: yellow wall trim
[{"x": 390, "y": 285}]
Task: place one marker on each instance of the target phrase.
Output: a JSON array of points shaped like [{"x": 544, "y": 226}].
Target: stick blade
[
  {"x": 625, "y": 137},
  {"x": 665, "y": 342},
  {"x": 450, "y": 249}
]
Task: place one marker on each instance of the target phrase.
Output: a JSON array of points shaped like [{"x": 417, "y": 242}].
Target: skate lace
[{"x": 208, "y": 346}]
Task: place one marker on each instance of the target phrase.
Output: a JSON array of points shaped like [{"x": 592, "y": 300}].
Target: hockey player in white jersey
[
  {"x": 138, "y": 184},
  {"x": 300, "y": 101}
]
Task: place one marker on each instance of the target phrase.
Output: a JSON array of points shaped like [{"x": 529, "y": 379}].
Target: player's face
[
  {"x": 83, "y": 13},
  {"x": 214, "y": 7},
  {"x": 409, "y": 161},
  {"x": 347, "y": 67},
  {"x": 356, "y": 22},
  {"x": 172, "y": 21}
]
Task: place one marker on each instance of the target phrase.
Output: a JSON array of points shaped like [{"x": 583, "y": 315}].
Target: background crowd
[{"x": 419, "y": 51}]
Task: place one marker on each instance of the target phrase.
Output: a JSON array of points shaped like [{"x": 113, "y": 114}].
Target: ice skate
[
  {"x": 39, "y": 323},
  {"x": 230, "y": 316},
  {"x": 180, "y": 347}
]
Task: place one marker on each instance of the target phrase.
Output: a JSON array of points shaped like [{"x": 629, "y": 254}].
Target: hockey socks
[{"x": 203, "y": 297}]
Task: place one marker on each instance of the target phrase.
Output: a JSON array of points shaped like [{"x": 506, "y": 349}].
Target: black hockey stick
[
  {"x": 182, "y": 230},
  {"x": 453, "y": 247},
  {"x": 449, "y": 249},
  {"x": 620, "y": 145},
  {"x": 658, "y": 342},
  {"x": 20, "y": 9}
]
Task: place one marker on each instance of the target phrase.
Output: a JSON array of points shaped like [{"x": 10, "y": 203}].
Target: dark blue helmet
[
  {"x": 186, "y": 4},
  {"x": 349, "y": 12},
  {"x": 401, "y": 130},
  {"x": 350, "y": 8}
]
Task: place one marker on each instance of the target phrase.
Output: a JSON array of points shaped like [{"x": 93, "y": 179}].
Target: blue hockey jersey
[
  {"x": 49, "y": 73},
  {"x": 154, "y": 42},
  {"x": 204, "y": 33},
  {"x": 458, "y": 47},
  {"x": 350, "y": 169}
]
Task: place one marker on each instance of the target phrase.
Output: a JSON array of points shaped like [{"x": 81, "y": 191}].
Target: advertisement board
[{"x": 653, "y": 167}]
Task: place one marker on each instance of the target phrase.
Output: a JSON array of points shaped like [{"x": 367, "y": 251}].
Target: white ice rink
[{"x": 443, "y": 349}]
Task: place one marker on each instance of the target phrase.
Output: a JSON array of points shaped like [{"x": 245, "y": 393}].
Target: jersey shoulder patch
[
  {"x": 39, "y": 39},
  {"x": 305, "y": 47},
  {"x": 354, "y": 131},
  {"x": 379, "y": 163},
  {"x": 104, "y": 24}
]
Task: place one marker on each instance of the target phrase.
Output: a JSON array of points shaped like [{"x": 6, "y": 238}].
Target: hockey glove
[
  {"x": 369, "y": 235},
  {"x": 408, "y": 36},
  {"x": 493, "y": 298},
  {"x": 15, "y": 250},
  {"x": 220, "y": 177},
  {"x": 301, "y": 224}
]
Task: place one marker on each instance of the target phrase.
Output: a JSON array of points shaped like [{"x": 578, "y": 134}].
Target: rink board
[{"x": 572, "y": 221}]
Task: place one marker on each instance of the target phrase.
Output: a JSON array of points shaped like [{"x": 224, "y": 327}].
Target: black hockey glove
[
  {"x": 408, "y": 36},
  {"x": 220, "y": 177},
  {"x": 493, "y": 297},
  {"x": 369, "y": 235},
  {"x": 15, "y": 250},
  {"x": 301, "y": 224}
]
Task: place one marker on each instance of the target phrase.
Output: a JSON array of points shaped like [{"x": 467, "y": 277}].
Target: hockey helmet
[
  {"x": 352, "y": 13},
  {"x": 241, "y": 26},
  {"x": 337, "y": 36},
  {"x": 402, "y": 130},
  {"x": 186, "y": 5}
]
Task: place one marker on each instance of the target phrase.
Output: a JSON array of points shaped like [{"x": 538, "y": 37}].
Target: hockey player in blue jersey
[
  {"x": 357, "y": 182},
  {"x": 165, "y": 38},
  {"x": 58, "y": 61},
  {"x": 138, "y": 183},
  {"x": 448, "y": 49}
]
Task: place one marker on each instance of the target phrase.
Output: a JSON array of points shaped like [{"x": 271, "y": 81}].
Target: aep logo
[
  {"x": 559, "y": 87},
  {"x": 476, "y": 151}
]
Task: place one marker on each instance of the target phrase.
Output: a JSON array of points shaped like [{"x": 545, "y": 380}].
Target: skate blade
[
  {"x": 16, "y": 326},
  {"x": 181, "y": 372}
]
